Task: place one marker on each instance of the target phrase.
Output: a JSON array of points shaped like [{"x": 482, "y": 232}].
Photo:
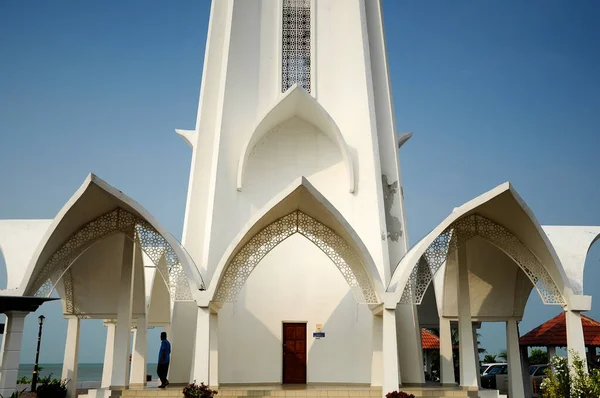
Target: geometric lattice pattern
[
  {"x": 336, "y": 248},
  {"x": 295, "y": 51},
  {"x": 150, "y": 241},
  {"x": 458, "y": 234}
]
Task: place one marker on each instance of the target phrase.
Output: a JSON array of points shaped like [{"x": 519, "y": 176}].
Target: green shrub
[
  {"x": 51, "y": 388},
  {"x": 562, "y": 381}
]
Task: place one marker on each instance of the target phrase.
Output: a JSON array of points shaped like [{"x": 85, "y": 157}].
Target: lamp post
[{"x": 37, "y": 355}]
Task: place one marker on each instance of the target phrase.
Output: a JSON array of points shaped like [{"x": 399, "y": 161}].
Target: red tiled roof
[
  {"x": 429, "y": 341},
  {"x": 554, "y": 333}
]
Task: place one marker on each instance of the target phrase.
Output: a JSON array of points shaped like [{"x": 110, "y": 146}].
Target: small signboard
[{"x": 318, "y": 335}]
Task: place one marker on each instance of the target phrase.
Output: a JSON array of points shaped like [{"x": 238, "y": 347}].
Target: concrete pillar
[
  {"x": 138, "y": 360},
  {"x": 513, "y": 352},
  {"x": 528, "y": 385},
  {"x": 592, "y": 354},
  {"x": 122, "y": 350},
  {"x": 551, "y": 352},
  {"x": 214, "y": 350},
  {"x": 108, "y": 353},
  {"x": 377, "y": 357},
  {"x": 427, "y": 354},
  {"x": 476, "y": 349},
  {"x": 468, "y": 370},
  {"x": 410, "y": 351},
  {"x": 183, "y": 325},
  {"x": 10, "y": 353},
  {"x": 70, "y": 362},
  {"x": 201, "y": 369},
  {"x": 391, "y": 369},
  {"x": 447, "y": 377},
  {"x": 575, "y": 341}
]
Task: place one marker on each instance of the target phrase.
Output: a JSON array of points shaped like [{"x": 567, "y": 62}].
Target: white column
[
  {"x": 377, "y": 356},
  {"x": 527, "y": 384},
  {"x": 119, "y": 377},
  {"x": 575, "y": 341},
  {"x": 10, "y": 353},
  {"x": 476, "y": 349},
  {"x": 410, "y": 351},
  {"x": 201, "y": 367},
  {"x": 391, "y": 369},
  {"x": 70, "y": 362},
  {"x": 468, "y": 370},
  {"x": 446, "y": 357},
  {"x": 214, "y": 350},
  {"x": 513, "y": 351},
  {"x": 183, "y": 325},
  {"x": 138, "y": 360},
  {"x": 551, "y": 352},
  {"x": 108, "y": 353}
]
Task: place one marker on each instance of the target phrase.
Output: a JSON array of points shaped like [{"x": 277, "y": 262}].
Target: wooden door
[{"x": 294, "y": 353}]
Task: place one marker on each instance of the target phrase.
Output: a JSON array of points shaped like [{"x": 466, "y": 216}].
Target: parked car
[
  {"x": 486, "y": 368},
  {"x": 537, "y": 374},
  {"x": 496, "y": 378}
]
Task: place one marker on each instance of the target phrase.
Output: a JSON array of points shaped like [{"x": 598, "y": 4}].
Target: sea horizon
[{"x": 86, "y": 372}]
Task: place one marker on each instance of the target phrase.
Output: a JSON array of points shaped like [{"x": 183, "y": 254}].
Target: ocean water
[{"x": 85, "y": 371}]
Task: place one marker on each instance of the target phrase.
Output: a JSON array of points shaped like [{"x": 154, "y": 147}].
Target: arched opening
[
  {"x": 241, "y": 265},
  {"x": 295, "y": 282},
  {"x": 458, "y": 234},
  {"x": 128, "y": 226}
]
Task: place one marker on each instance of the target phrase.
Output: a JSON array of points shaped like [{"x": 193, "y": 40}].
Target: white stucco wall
[
  {"x": 250, "y": 52},
  {"x": 295, "y": 282}
]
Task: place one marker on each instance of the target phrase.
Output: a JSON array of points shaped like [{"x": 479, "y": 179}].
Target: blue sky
[{"x": 494, "y": 91}]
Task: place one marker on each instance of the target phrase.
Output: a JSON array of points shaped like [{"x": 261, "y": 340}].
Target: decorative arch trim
[
  {"x": 339, "y": 252},
  {"x": 572, "y": 244},
  {"x": 93, "y": 195},
  {"x": 145, "y": 236},
  {"x": 494, "y": 203},
  {"x": 458, "y": 234},
  {"x": 296, "y": 102}
]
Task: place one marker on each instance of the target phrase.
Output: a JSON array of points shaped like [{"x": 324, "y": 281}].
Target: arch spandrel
[
  {"x": 339, "y": 252},
  {"x": 296, "y": 102},
  {"x": 458, "y": 234},
  {"x": 536, "y": 257},
  {"x": 117, "y": 221}
]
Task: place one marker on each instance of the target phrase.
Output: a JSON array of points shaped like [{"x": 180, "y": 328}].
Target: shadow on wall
[
  {"x": 335, "y": 353},
  {"x": 291, "y": 150},
  {"x": 236, "y": 342}
]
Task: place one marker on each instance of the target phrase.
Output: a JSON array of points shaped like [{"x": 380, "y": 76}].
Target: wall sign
[{"x": 318, "y": 335}]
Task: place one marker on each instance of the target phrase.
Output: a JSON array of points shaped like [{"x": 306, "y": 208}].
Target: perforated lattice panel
[
  {"x": 295, "y": 44},
  {"x": 458, "y": 234},
  {"x": 116, "y": 221},
  {"x": 339, "y": 252}
]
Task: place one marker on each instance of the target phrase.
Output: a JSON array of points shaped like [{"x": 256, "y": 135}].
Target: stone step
[{"x": 304, "y": 393}]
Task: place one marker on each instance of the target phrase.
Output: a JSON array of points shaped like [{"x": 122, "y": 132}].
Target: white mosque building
[{"x": 294, "y": 267}]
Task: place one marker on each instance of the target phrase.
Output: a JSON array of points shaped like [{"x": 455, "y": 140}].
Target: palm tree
[
  {"x": 489, "y": 358},
  {"x": 502, "y": 355}
]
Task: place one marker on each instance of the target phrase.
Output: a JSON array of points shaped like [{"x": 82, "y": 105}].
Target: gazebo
[{"x": 553, "y": 333}]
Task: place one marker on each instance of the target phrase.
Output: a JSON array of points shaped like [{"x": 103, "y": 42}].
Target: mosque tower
[{"x": 295, "y": 172}]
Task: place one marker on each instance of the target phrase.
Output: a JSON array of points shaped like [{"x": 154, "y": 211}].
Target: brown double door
[{"x": 294, "y": 353}]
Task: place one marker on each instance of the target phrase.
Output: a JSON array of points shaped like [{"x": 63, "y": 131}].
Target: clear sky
[{"x": 493, "y": 91}]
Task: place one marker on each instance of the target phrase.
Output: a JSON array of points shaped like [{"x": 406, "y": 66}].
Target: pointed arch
[
  {"x": 296, "y": 102},
  {"x": 459, "y": 233},
  {"x": 339, "y": 252},
  {"x": 523, "y": 240},
  {"x": 572, "y": 244},
  {"x": 298, "y": 209},
  {"x": 94, "y": 212}
]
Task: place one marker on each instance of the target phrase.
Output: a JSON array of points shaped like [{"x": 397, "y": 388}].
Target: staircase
[{"x": 298, "y": 392}]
